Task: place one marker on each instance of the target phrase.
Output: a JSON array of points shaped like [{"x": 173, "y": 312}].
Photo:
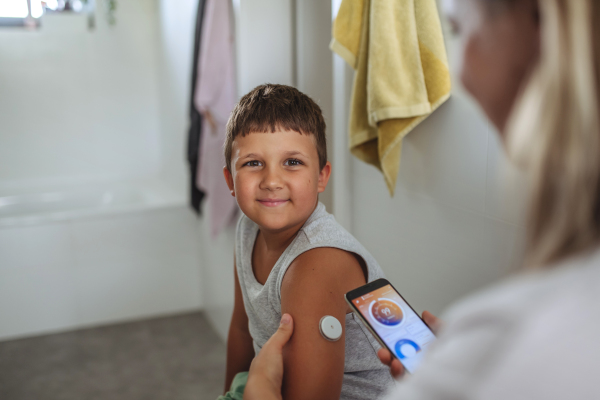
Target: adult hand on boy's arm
[
  {"x": 266, "y": 371},
  {"x": 396, "y": 368},
  {"x": 313, "y": 287}
]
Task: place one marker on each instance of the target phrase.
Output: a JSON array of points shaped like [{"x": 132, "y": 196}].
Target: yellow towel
[{"x": 397, "y": 49}]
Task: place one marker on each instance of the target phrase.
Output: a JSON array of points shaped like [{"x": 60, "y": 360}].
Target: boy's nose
[{"x": 271, "y": 180}]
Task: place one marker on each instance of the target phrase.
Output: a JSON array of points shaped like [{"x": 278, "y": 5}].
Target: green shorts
[{"x": 236, "y": 391}]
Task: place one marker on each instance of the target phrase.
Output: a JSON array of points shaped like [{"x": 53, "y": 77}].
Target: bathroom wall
[
  {"x": 447, "y": 230},
  {"x": 80, "y": 105},
  {"x": 177, "y": 19}
]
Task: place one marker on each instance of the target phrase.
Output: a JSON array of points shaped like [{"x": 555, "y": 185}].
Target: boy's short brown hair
[{"x": 270, "y": 107}]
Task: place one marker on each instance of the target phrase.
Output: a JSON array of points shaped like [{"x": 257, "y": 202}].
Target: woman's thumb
[{"x": 284, "y": 333}]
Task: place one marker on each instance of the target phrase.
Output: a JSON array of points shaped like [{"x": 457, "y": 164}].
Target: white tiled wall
[
  {"x": 177, "y": 19},
  {"x": 95, "y": 271},
  {"x": 453, "y": 225},
  {"x": 80, "y": 105}
]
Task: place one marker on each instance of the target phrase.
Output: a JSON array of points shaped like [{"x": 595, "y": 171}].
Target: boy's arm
[
  {"x": 240, "y": 350},
  {"x": 314, "y": 286}
]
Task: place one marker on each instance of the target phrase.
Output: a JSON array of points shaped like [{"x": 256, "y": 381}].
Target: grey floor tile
[{"x": 173, "y": 358}]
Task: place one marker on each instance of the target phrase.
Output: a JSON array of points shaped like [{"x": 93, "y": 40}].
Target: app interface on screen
[{"x": 396, "y": 323}]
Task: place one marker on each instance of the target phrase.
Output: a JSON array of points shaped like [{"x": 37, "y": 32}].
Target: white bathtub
[
  {"x": 71, "y": 202},
  {"x": 81, "y": 256}
]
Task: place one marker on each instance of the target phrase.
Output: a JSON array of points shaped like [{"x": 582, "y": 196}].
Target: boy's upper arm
[
  {"x": 240, "y": 350},
  {"x": 314, "y": 286},
  {"x": 239, "y": 318}
]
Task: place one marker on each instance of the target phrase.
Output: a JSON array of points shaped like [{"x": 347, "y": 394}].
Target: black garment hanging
[{"x": 195, "y": 130}]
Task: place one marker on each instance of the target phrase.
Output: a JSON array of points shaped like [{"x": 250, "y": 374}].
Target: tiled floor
[{"x": 174, "y": 358}]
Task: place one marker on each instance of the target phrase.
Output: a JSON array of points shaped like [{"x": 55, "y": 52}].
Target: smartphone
[{"x": 392, "y": 321}]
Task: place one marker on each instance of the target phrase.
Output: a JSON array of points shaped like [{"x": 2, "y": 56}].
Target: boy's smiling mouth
[{"x": 272, "y": 202}]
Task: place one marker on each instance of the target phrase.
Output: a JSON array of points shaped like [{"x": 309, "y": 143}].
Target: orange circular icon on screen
[{"x": 386, "y": 312}]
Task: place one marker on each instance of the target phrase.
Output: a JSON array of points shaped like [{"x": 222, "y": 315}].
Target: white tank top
[{"x": 364, "y": 375}]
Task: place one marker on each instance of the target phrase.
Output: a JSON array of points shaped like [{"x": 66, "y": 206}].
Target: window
[
  {"x": 28, "y": 12},
  {"x": 20, "y": 12}
]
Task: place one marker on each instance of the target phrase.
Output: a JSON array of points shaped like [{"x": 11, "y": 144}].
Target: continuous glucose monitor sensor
[{"x": 330, "y": 328}]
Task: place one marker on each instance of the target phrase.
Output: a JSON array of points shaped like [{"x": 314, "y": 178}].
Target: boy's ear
[
  {"x": 229, "y": 180},
  {"x": 324, "y": 177}
]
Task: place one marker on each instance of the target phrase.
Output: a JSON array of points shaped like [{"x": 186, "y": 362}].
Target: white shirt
[{"x": 536, "y": 336}]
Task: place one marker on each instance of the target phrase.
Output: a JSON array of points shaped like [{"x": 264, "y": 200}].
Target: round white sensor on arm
[{"x": 330, "y": 328}]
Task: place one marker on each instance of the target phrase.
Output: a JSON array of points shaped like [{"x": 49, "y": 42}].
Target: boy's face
[{"x": 275, "y": 178}]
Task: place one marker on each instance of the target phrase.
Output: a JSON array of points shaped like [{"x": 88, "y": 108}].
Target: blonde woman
[{"x": 534, "y": 67}]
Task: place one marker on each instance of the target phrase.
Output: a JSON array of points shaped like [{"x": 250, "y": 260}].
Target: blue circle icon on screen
[{"x": 406, "y": 348}]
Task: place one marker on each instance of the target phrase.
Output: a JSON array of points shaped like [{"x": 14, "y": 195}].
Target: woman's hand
[
  {"x": 396, "y": 368},
  {"x": 266, "y": 370}
]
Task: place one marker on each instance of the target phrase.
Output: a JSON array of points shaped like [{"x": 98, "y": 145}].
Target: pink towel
[{"x": 215, "y": 97}]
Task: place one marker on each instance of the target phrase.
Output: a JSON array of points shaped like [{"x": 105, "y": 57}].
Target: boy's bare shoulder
[
  {"x": 326, "y": 256},
  {"x": 324, "y": 266}
]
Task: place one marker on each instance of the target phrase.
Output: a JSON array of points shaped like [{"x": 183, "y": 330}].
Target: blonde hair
[{"x": 554, "y": 133}]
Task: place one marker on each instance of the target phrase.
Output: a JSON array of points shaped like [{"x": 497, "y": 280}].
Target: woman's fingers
[
  {"x": 266, "y": 370},
  {"x": 384, "y": 356},
  {"x": 432, "y": 321},
  {"x": 396, "y": 368},
  {"x": 283, "y": 334}
]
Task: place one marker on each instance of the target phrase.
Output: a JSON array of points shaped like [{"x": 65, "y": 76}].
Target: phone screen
[{"x": 396, "y": 323}]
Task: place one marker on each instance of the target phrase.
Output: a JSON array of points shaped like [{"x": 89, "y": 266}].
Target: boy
[{"x": 290, "y": 254}]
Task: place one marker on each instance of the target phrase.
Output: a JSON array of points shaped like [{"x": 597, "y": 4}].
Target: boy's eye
[
  {"x": 292, "y": 162},
  {"x": 253, "y": 163}
]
